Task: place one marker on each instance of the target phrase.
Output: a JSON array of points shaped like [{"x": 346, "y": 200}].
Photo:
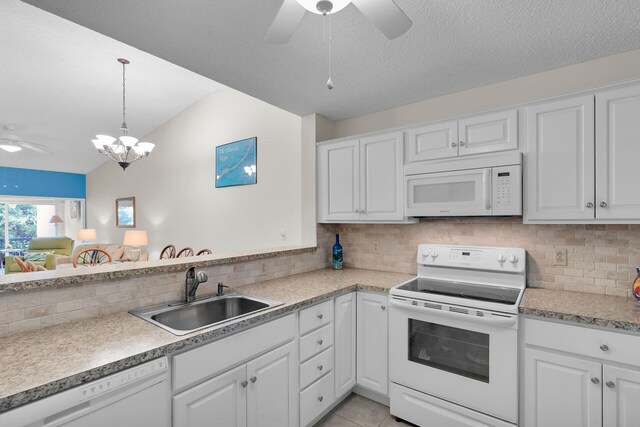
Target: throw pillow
[
  {"x": 23, "y": 267},
  {"x": 36, "y": 256}
]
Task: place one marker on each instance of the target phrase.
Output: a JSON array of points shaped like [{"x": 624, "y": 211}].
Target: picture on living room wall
[
  {"x": 236, "y": 163},
  {"x": 74, "y": 209},
  {"x": 126, "y": 212}
]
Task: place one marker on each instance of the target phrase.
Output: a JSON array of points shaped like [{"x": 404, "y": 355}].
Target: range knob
[
  {"x": 434, "y": 255},
  {"x": 425, "y": 254},
  {"x": 501, "y": 258},
  {"x": 513, "y": 259}
]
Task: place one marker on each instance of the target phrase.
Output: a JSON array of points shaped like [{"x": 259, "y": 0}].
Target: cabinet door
[
  {"x": 273, "y": 390},
  {"x": 338, "y": 181},
  {"x": 561, "y": 390},
  {"x": 381, "y": 175},
  {"x": 560, "y": 160},
  {"x": 372, "y": 327},
  {"x": 621, "y": 397},
  {"x": 488, "y": 133},
  {"x": 436, "y": 141},
  {"x": 345, "y": 343},
  {"x": 617, "y": 154},
  {"x": 221, "y": 401}
]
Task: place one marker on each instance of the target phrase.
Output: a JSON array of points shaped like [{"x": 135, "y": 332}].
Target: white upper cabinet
[
  {"x": 381, "y": 170},
  {"x": 436, "y": 141},
  {"x": 617, "y": 154},
  {"x": 339, "y": 181},
  {"x": 485, "y": 133},
  {"x": 488, "y": 133},
  {"x": 560, "y": 160},
  {"x": 362, "y": 180}
]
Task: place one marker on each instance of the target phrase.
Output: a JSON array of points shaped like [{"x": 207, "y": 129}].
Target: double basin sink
[{"x": 184, "y": 318}]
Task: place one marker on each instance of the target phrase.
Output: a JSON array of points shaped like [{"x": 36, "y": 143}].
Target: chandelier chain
[{"x": 124, "y": 100}]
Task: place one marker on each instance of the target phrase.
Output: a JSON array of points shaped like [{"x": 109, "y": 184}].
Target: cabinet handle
[
  {"x": 610, "y": 384},
  {"x": 320, "y": 398},
  {"x": 253, "y": 380},
  {"x": 320, "y": 342},
  {"x": 590, "y": 205},
  {"x": 595, "y": 380},
  {"x": 604, "y": 347},
  {"x": 357, "y": 211},
  {"x": 320, "y": 316},
  {"x": 454, "y": 144},
  {"x": 320, "y": 367},
  {"x": 244, "y": 384},
  {"x": 603, "y": 204},
  {"x": 382, "y": 307},
  {"x": 461, "y": 144}
]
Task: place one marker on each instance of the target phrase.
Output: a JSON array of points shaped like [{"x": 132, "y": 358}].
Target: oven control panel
[{"x": 476, "y": 257}]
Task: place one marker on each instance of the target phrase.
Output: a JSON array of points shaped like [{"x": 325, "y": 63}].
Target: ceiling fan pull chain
[{"x": 330, "y": 81}]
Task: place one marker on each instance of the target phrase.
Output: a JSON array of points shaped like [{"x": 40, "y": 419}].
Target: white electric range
[{"x": 453, "y": 337}]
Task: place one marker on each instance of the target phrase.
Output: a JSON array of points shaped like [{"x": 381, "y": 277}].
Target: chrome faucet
[{"x": 191, "y": 283}]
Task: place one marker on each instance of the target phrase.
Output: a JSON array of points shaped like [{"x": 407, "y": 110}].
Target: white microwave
[{"x": 490, "y": 186}]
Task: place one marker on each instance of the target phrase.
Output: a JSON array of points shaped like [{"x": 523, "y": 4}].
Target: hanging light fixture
[{"x": 126, "y": 149}]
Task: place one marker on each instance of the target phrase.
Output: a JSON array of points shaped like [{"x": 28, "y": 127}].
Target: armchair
[{"x": 60, "y": 246}]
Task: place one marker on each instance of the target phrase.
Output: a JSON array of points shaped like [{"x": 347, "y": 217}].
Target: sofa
[
  {"x": 119, "y": 253},
  {"x": 54, "y": 248}
]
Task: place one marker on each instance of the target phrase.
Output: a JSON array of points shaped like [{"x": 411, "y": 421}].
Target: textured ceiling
[
  {"x": 453, "y": 45},
  {"x": 60, "y": 84}
]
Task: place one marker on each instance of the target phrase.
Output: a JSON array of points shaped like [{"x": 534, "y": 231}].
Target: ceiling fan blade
[
  {"x": 285, "y": 22},
  {"x": 385, "y": 15},
  {"x": 35, "y": 147}
]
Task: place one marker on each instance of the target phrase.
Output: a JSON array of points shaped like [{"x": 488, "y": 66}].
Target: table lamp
[
  {"x": 135, "y": 239},
  {"x": 87, "y": 234}
]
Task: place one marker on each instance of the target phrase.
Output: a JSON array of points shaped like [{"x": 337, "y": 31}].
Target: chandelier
[{"x": 126, "y": 149}]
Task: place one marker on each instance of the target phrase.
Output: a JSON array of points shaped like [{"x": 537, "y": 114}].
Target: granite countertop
[
  {"x": 600, "y": 310},
  {"x": 41, "y": 363}
]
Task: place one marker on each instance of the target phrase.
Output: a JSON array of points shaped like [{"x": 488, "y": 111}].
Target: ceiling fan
[
  {"x": 11, "y": 143},
  {"x": 384, "y": 14}
]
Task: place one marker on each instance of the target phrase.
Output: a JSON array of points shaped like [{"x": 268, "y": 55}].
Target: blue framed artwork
[{"x": 236, "y": 163}]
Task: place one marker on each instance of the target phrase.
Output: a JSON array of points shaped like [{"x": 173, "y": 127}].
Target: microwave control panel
[{"x": 507, "y": 190}]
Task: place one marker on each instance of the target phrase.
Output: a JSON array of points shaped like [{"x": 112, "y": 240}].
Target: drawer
[
  {"x": 604, "y": 345},
  {"x": 203, "y": 362},
  {"x": 313, "y": 317},
  {"x": 315, "y": 342},
  {"x": 315, "y": 399},
  {"x": 316, "y": 367}
]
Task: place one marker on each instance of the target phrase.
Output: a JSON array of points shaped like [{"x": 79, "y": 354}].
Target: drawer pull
[
  {"x": 320, "y": 316},
  {"x": 320, "y": 398},
  {"x": 320, "y": 367},
  {"x": 320, "y": 342},
  {"x": 595, "y": 380},
  {"x": 253, "y": 380},
  {"x": 244, "y": 384},
  {"x": 610, "y": 384},
  {"x": 604, "y": 347}
]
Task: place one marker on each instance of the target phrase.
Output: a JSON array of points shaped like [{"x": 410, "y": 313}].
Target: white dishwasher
[{"x": 138, "y": 396}]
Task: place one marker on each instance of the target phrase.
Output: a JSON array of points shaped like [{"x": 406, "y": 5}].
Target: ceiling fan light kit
[{"x": 125, "y": 149}]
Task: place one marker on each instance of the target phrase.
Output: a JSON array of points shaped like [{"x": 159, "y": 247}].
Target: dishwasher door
[{"x": 139, "y": 396}]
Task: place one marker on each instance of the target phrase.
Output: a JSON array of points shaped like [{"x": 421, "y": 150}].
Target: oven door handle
[{"x": 499, "y": 321}]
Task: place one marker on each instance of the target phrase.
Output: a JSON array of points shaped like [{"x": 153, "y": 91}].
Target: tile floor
[{"x": 357, "y": 411}]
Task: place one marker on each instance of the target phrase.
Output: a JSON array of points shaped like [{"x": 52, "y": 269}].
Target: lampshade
[
  {"x": 135, "y": 238},
  {"x": 87, "y": 234},
  {"x": 55, "y": 220}
]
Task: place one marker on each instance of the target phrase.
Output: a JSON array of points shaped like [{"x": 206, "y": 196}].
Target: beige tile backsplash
[{"x": 600, "y": 258}]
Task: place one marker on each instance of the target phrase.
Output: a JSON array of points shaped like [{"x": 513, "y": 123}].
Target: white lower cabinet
[
  {"x": 345, "y": 343},
  {"x": 590, "y": 380},
  {"x": 372, "y": 338}
]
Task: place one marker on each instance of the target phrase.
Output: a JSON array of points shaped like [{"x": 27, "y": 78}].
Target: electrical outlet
[
  {"x": 283, "y": 234},
  {"x": 263, "y": 267},
  {"x": 376, "y": 248},
  {"x": 560, "y": 256}
]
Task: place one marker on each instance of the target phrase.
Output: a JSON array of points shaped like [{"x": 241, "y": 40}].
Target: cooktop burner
[{"x": 473, "y": 291}]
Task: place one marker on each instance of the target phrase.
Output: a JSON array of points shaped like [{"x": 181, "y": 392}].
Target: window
[{"x": 21, "y": 222}]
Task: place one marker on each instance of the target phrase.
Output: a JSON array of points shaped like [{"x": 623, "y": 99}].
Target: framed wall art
[
  {"x": 126, "y": 212},
  {"x": 236, "y": 163}
]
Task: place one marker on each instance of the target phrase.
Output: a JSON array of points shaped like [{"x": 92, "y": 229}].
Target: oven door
[
  {"x": 465, "y": 192},
  {"x": 462, "y": 358}
]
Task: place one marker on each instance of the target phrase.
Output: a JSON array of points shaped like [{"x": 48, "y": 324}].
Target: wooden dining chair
[
  {"x": 185, "y": 253},
  {"x": 204, "y": 252},
  {"x": 91, "y": 257},
  {"x": 168, "y": 252}
]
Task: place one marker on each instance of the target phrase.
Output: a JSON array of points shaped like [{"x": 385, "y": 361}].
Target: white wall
[
  {"x": 591, "y": 74},
  {"x": 71, "y": 225},
  {"x": 176, "y": 198}
]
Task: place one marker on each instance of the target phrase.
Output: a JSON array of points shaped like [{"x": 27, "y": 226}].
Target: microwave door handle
[
  {"x": 486, "y": 189},
  {"x": 498, "y": 321}
]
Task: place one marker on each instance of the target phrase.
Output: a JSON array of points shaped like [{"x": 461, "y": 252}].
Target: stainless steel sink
[{"x": 184, "y": 318}]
